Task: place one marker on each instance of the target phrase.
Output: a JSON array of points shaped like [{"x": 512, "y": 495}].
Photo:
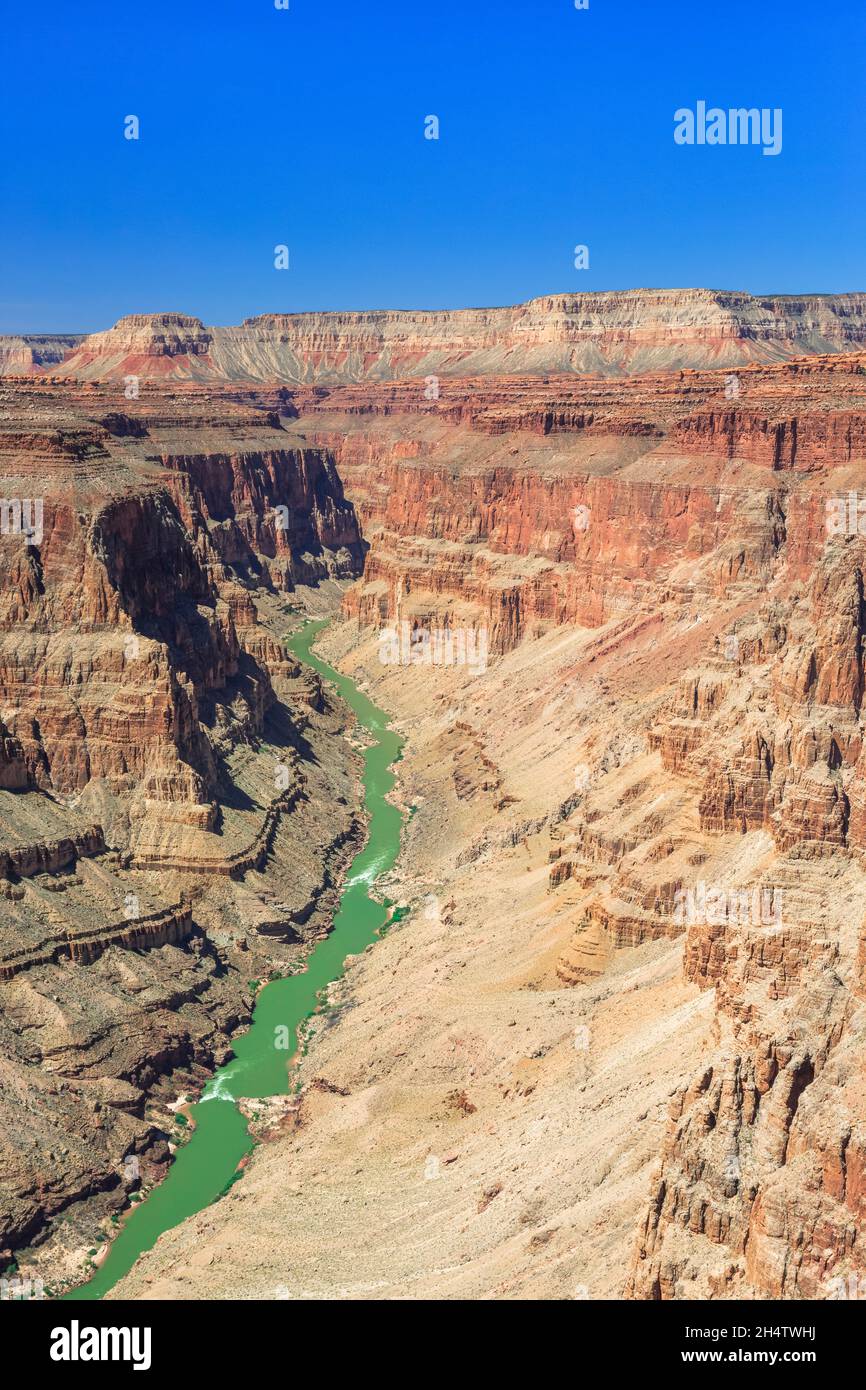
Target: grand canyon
[{"x": 611, "y": 1042}]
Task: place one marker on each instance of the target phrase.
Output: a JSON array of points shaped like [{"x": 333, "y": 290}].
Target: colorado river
[{"x": 206, "y": 1165}]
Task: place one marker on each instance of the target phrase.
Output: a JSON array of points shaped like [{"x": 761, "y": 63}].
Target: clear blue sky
[{"x": 305, "y": 127}]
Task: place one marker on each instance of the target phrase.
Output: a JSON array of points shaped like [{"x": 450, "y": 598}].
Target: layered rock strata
[
  {"x": 176, "y": 804},
  {"x": 616, "y": 333},
  {"x": 615, "y": 1046}
]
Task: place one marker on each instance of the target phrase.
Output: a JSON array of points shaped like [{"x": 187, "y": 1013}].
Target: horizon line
[{"x": 458, "y": 309}]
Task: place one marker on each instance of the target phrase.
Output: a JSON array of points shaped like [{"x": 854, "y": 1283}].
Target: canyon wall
[
  {"x": 614, "y": 1045},
  {"x": 175, "y": 806},
  {"x": 613, "y": 333},
  {"x": 711, "y": 544},
  {"x": 631, "y": 958},
  {"x": 571, "y": 502},
  {"x": 35, "y": 352},
  {"x": 155, "y": 530}
]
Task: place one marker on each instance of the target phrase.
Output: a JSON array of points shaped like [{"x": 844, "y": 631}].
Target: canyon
[
  {"x": 612, "y": 1042},
  {"x": 176, "y": 807},
  {"x": 615, "y": 333}
]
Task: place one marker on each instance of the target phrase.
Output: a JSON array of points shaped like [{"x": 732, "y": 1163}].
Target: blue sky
[{"x": 306, "y": 127}]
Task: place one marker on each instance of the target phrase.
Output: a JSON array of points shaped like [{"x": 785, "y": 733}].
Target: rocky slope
[
  {"x": 35, "y": 352},
  {"x": 529, "y": 503},
  {"x": 615, "y": 1045},
  {"x": 175, "y": 806},
  {"x": 613, "y": 333}
]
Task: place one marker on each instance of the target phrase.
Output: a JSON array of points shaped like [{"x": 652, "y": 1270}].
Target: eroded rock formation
[
  {"x": 175, "y": 806},
  {"x": 624, "y": 1011},
  {"x": 709, "y": 537},
  {"x": 617, "y": 332}
]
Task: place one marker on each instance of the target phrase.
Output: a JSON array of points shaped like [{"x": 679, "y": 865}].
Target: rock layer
[
  {"x": 623, "y": 1010},
  {"x": 611, "y": 332},
  {"x": 175, "y": 802},
  {"x": 616, "y": 1043}
]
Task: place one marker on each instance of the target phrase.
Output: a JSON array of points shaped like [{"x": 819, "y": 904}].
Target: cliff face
[
  {"x": 164, "y": 346},
  {"x": 723, "y": 798},
  {"x": 150, "y": 545},
  {"x": 759, "y": 1188},
  {"x": 653, "y": 801},
  {"x": 35, "y": 352},
  {"x": 173, "y": 802},
  {"x": 614, "y": 333},
  {"x": 607, "y": 489}
]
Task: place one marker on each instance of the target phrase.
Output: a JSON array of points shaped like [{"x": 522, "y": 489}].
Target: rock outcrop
[
  {"x": 615, "y": 333},
  {"x": 175, "y": 805},
  {"x": 615, "y": 1042},
  {"x": 631, "y": 966},
  {"x": 712, "y": 547},
  {"x": 35, "y": 352}
]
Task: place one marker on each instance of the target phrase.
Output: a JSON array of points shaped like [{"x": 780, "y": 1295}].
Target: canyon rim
[
  {"x": 611, "y": 1043},
  {"x": 432, "y": 674}
]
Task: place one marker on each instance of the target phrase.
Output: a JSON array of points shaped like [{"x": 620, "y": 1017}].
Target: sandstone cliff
[
  {"x": 614, "y": 1046},
  {"x": 35, "y": 352},
  {"x": 615, "y": 333},
  {"x": 175, "y": 806},
  {"x": 623, "y": 1010},
  {"x": 690, "y": 530}
]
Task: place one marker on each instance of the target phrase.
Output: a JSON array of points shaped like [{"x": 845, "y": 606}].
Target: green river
[{"x": 207, "y": 1164}]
